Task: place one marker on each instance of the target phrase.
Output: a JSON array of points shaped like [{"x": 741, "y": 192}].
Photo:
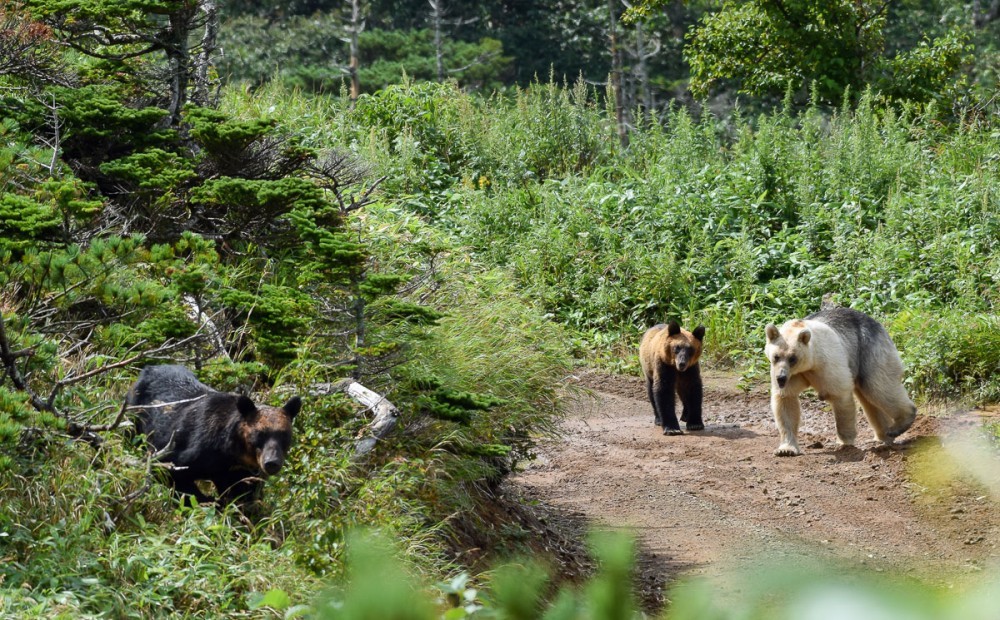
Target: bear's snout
[
  {"x": 682, "y": 359},
  {"x": 273, "y": 466},
  {"x": 271, "y": 459},
  {"x": 782, "y": 378}
]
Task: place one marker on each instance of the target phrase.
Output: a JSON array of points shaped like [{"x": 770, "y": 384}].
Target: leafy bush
[
  {"x": 950, "y": 353},
  {"x": 377, "y": 586},
  {"x": 733, "y": 226},
  {"x": 78, "y": 547}
]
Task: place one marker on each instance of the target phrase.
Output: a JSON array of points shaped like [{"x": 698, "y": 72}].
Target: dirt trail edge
[{"x": 705, "y": 501}]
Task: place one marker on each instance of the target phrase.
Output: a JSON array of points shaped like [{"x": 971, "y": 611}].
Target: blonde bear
[{"x": 842, "y": 354}]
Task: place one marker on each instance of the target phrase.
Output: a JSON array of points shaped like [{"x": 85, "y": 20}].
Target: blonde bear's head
[{"x": 788, "y": 351}]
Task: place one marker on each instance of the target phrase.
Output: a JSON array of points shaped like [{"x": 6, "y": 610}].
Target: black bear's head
[
  {"x": 683, "y": 348},
  {"x": 267, "y": 433}
]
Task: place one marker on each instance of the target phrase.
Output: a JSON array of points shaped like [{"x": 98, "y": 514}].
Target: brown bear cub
[
  {"x": 209, "y": 435},
  {"x": 669, "y": 358}
]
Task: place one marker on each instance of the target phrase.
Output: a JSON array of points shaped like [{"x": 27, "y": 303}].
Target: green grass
[
  {"x": 74, "y": 546},
  {"x": 539, "y": 240},
  {"x": 733, "y": 224}
]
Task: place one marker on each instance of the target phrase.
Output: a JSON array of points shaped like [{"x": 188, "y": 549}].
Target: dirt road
[{"x": 706, "y": 501}]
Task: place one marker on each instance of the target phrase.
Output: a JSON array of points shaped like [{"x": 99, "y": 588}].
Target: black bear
[
  {"x": 669, "y": 358},
  {"x": 210, "y": 435}
]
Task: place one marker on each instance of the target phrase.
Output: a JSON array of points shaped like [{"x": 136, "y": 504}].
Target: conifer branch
[
  {"x": 9, "y": 359},
  {"x": 80, "y": 430}
]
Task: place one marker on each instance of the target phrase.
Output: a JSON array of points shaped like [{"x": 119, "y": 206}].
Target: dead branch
[
  {"x": 153, "y": 458},
  {"x": 365, "y": 198},
  {"x": 9, "y": 361},
  {"x": 196, "y": 313},
  {"x": 203, "y": 61},
  {"x": 164, "y": 348},
  {"x": 386, "y": 414},
  {"x": 120, "y": 418},
  {"x": 482, "y": 59},
  {"x": 27, "y": 50},
  {"x": 76, "y": 429}
]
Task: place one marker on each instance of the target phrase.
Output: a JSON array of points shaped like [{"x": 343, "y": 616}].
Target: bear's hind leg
[
  {"x": 878, "y": 419},
  {"x": 652, "y": 401},
  {"x": 897, "y": 410},
  {"x": 905, "y": 415},
  {"x": 845, "y": 414}
]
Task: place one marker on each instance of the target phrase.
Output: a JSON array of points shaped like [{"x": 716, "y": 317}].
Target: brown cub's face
[
  {"x": 684, "y": 347},
  {"x": 267, "y": 432}
]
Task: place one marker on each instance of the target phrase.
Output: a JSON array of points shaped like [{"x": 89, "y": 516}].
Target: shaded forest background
[
  {"x": 455, "y": 204},
  {"x": 664, "y": 52}
]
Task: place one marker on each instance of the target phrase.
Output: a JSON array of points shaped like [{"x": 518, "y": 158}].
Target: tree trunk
[
  {"x": 437, "y": 14},
  {"x": 358, "y": 310},
  {"x": 647, "y": 91},
  {"x": 202, "y": 88},
  {"x": 357, "y": 25},
  {"x": 179, "y": 59},
  {"x": 980, "y": 18},
  {"x": 616, "y": 76}
]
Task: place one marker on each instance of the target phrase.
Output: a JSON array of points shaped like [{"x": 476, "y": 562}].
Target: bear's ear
[
  {"x": 804, "y": 336},
  {"x": 699, "y": 333},
  {"x": 673, "y": 328},
  {"x": 293, "y": 406},
  {"x": 245, "y": 406},
  {"x": 772, "y": 332}
]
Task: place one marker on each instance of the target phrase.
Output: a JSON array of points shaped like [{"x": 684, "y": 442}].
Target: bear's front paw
[
  {"x": 696, "y": 427},
  {"x": 896, "y": 431},
  {"x": 786, "y": 449},
  {"x": 672, "y": 431}
]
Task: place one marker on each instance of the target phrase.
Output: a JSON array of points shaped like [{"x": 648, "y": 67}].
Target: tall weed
[{"x": 738, "y": 226}]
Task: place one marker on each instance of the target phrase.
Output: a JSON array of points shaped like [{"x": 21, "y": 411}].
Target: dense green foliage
[
  {"x": 484, "y": 44},
  {"x": 225, "y": 241},
  {"x": 767, "y": 46},
  {"x": 307, "y": 52},
  {"x": 938, "y": 50},
  {"x": 734, "y": 225},
  {"x": 452, "y": 250},
  {"x": 379, "y": 588}
]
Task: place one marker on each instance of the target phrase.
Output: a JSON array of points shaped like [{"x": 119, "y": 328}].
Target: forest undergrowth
[{"x": 457, "y": 253}]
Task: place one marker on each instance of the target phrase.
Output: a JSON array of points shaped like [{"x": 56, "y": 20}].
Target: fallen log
[{"x": 386, "y": 414}]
